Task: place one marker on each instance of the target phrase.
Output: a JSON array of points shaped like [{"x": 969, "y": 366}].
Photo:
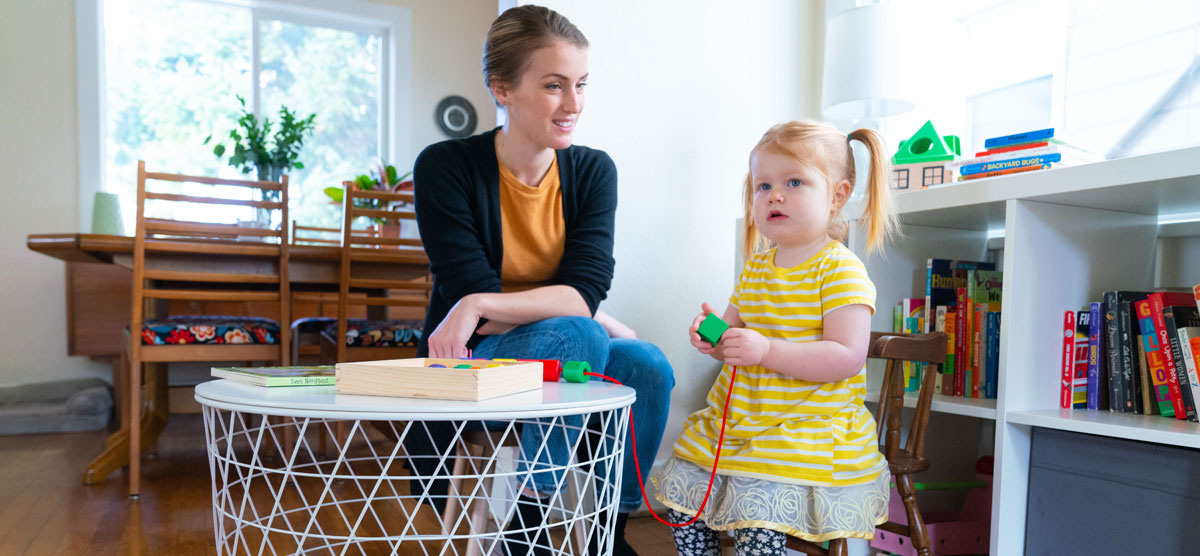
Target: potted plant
[
  {"x": 383, "y": 178},
  {"x": 256, "y": 148}
]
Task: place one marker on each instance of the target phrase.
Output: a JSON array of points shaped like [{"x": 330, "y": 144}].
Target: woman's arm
[{"x": 838, "y": 356}]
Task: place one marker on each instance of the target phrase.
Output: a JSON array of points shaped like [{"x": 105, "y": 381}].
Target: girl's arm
[{"x": 840, "y": 355}]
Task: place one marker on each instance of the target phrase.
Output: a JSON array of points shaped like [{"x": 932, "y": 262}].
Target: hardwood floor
[{"x": 45, "y": 510}]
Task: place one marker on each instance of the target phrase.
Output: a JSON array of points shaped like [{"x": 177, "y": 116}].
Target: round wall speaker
[{"x": 455, "y": 117}]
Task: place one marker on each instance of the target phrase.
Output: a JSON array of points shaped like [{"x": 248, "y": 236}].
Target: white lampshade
[{"x": 866, "y": 69}]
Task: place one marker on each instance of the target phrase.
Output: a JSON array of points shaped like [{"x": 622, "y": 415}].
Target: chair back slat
[{"x": 895, "y": 348}]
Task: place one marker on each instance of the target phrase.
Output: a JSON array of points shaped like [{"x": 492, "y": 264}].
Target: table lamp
[{"x": 866, "y": 56}]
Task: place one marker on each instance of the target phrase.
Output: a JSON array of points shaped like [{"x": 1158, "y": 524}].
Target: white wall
[
  {"x": 678, "y": 95},
  {"x": 39, "y": 155}
]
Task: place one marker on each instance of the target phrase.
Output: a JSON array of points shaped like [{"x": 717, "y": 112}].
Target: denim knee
[{"x": 642, "y": 364}]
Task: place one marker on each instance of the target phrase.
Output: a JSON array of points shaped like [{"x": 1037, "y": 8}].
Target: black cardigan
[{"x": 457, "y": 189}]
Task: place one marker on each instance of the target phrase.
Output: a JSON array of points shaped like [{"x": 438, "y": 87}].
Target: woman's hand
[
  {"x": 614, "y": 327},
  {"x": 743, "y": 347},
  {"x": 694, "y": 333},
  {"x": 449, "y": 339}
]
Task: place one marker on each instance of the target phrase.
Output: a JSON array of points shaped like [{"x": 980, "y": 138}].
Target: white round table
[{"x": 305, "y": 470}]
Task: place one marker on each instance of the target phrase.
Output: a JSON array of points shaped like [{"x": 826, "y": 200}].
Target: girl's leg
[
  {"x": 642, "y": 366},
  {"x": 695, "y": 539},
  {"x": 754, "y": 541}
]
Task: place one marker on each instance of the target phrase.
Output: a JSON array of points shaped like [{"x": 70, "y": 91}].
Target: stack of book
[
  {"x": 1134, "y": 352},
  {"x": 962, "y": 299},
  {"x": 1020, "y": 152}
]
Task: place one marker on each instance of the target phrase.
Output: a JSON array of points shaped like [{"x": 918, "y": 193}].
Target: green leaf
[
  {"x": 364, "y": 182},
  {"x": 391, "y": 175},
  {"x": 219, "y": 150},
  {"x": 335, "y": 193},
  {"x": 298, "y": 165}
]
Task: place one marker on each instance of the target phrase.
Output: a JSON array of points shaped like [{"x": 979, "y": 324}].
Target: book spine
[
  {"x": 1093, "y": 372},
  {"x": 978, "y": 361},
  {"x": 1011, "y": 148},
  {"x": 1127, "y": 349},
  {"x": 1175, "y": 352},
  {"x": 948, "y": 371},
  {"x": 940, "y": 326},
  {"x": 1016, "y": 138},
  {"x": 1196, "y": 295},
  {"x": 300, "y": 381},
  {"x": 1183, "y": 407},
  {"x": 1079, "y": 384},
  {"x": 1068, "y": 359},
  {"x": 960, "y": 345},
  {"x": 1112, "y": 352},
  {"x": 1154, "y": 359},
  {"x": 1009, "y": 164},
  {"x": 1189, "y": 360},
  {"x": 928, "y": 291},
  {"x": 993, "y": 370},
  {"x": 1003, "y": 156}
]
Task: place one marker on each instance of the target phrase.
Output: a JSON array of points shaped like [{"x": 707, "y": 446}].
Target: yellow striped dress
[{"x": 799, "y": 457}]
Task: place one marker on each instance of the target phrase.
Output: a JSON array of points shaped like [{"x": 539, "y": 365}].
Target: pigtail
[
  {"x": 881, "y": 218},
  {"x": 751, "y": 239}
]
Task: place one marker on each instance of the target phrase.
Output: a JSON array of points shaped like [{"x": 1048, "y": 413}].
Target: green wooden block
[
  {"x": 463, "y": 366},
  {"x": 711, "y": 329},
  {"x": 573, "y": 371}
]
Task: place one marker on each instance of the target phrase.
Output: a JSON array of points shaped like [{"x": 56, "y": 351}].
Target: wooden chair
[
  {"x": 906, "y": 461},
  {"x": 314, "y": 311},
  {"x": 376, "y": 337},
  {"x": 240, "y": 342}
]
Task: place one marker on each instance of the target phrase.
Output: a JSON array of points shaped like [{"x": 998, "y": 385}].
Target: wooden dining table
[{"x": 99, "y": 281}]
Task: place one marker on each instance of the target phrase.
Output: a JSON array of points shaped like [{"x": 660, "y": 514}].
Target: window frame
[{"x": 395, "y": 114}]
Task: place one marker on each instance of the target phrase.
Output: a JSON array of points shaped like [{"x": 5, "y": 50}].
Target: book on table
[
  {"x": 319, "y": 375},
  {"x": 442, "y": 379}
]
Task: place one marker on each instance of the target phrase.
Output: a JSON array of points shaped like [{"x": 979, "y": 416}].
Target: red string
[{"x": 711, "y": 478}]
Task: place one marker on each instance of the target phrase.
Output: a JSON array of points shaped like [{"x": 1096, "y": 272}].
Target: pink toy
[{"x": 962, "y": 532}]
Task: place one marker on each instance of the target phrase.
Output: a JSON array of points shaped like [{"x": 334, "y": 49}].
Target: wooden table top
[{"x": 101, "y": 248}]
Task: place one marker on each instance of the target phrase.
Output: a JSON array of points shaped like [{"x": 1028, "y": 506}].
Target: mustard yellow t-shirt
[
  {"x": 781, "y": 428},
  {"x": 532, "y": 230}
]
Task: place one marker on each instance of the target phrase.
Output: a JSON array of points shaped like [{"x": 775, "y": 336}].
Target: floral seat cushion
[
  {"x": 379, "y": 333},
  {"x": 312, "y": 325},
  {"x": 210, "y": 329}
]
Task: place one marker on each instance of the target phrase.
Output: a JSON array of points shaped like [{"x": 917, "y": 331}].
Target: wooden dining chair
[
  {"x": 364, "y": 274},
  {"x": 314, "y": 311},
  {"x": 903, "y": 461},
  {"x": 202, "y": 338}
]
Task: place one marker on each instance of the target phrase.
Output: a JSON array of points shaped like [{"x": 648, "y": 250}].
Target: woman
[{"x": 518, "y": 225}]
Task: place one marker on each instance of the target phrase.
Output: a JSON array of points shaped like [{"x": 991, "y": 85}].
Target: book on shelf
[
  {"x": 947, "y": 378},
  {"x": 962, "y": 348},
  {"x": 1127, "y": 350},
  {"x": 1142, "y": 385},
  {"x": 996, "y": 173},
  {"x": 1097, "y": 383},
  {"x": 1067, "y": 369},
  {"x": 1158, "y": 351},
  {"x": 439, "y": 378},
  {"x": 1017, "y": 138},
  {"x": 939, "y": 325},
  {"x": 914, "y": 323},
  {"x": 1067, "y": 156},
  {"x": 1174, "y": 318},
  {"x": 984, "y": 289},
  {"x": 1011, "y": 148},
  {"x": 1079, "y": 370},
  {"x": 1122, "y": 352},
  {"x": 1185, "y": 334},
  {"x": 1038, "y": 161},
  {"x": 943, "y": 277},
  {"x": 320, "y": 375},
  {"x": 993, "y": 355}
]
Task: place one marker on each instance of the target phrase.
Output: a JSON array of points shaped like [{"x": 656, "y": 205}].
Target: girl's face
[
  {"x": 792, "y": 202},
  {"x": 545, "y": 104}
]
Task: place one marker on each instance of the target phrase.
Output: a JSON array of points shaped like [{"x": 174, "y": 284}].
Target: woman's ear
[{"x": 499, "y": 90}]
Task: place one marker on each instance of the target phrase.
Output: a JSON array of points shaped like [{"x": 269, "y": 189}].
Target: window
[
  {"x": 170, "y": 71},
  {"x": 1117, "y": 78}
]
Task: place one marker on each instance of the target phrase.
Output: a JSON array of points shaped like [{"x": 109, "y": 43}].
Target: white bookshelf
[
  {"x": 969, "y": 407},
  {"x": 1068, "y": 235}
]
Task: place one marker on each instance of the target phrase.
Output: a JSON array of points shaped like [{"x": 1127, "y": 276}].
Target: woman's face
[{"x": 544, "y": 106}]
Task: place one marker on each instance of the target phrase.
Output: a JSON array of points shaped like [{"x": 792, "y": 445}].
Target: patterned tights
[{"x": 698, "y": 540}]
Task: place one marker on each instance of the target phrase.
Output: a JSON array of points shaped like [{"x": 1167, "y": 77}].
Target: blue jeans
[{"x": 637, "y": 364}]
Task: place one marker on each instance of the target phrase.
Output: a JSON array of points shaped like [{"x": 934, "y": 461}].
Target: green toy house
[{"x": 921, "y": 160}]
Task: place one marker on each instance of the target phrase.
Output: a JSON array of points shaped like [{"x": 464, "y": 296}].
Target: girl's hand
[
  {"x": 743, "y": 347},
  {"x": 694, "y": 334},
  {"x": 449, "y": 339}
]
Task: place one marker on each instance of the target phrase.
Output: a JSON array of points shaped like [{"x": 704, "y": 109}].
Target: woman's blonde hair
[
  {"x": 516, "y": 34},
  {"x": 826, "y": 149}
]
